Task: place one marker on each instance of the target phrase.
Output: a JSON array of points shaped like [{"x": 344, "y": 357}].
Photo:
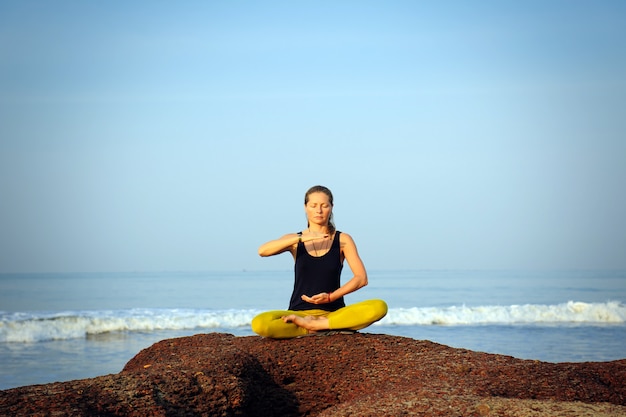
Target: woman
[{"x": 317, "y": 300}]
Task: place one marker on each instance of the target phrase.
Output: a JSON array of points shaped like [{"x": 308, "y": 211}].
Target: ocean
[{"x": 60, "y": 327}]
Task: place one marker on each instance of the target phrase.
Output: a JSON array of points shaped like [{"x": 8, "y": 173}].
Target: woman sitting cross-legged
[{"x": 317, "y": 300}]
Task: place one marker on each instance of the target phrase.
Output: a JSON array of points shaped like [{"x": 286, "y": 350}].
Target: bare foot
[{"x": 311, "y": 323}]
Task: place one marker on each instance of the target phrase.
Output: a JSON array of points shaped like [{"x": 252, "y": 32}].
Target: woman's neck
[{"x": 317, "y": 228}]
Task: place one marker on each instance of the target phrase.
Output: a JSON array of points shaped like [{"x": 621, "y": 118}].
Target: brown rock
[{"x": 339, "y": 375}]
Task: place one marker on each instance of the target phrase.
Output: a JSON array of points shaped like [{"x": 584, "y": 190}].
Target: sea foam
[
  {"x": 611, "y": 312},
  {"x": 24, "y": 327}
]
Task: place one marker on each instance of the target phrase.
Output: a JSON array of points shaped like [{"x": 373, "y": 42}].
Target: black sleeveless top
[{"x": 317, "y": 274}]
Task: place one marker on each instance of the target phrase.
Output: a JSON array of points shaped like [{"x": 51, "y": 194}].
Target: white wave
[
  {"x": 34, "y": 327},
  {"x": 570, "y": 312}
]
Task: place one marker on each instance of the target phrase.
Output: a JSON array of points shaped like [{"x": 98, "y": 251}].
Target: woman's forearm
[
  {"x": 287, "y": 242},
  {"x": 356, "y": 282},
  {"x": 274, "y": 247}
]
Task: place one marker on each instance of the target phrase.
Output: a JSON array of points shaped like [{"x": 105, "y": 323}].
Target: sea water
[{"x": 59, "y": 327}]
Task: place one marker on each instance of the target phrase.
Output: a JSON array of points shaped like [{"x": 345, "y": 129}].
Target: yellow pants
[{"x": 353, "y": 317}]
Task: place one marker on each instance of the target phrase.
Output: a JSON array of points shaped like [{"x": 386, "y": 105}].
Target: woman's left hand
[{"x": 321, "y": 298}]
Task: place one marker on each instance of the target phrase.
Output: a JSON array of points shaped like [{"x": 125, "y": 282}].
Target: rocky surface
[{"x": 340, "y": 375}]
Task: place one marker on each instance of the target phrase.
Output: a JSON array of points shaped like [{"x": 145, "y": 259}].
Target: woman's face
[{"x": 318, "y": 209}]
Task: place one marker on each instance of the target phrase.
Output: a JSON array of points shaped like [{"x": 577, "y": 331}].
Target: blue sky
[{"x": 157, "y": 136}]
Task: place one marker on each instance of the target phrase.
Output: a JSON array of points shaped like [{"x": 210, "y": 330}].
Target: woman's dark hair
[{"x": 325, "y": 190}]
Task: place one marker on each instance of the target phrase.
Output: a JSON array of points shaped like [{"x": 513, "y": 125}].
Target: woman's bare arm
[
  {"x": 351, "y": 255},
  {"x": 288, "y": 242}
]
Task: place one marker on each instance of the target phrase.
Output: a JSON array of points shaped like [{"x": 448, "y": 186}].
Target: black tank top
[{"x": 317, "y": 274}]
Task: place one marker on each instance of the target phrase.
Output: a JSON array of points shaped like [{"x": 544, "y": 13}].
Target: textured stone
[{"x": 339, "y": 375}]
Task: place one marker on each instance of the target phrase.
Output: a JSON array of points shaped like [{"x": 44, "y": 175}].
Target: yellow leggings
[{"x": 353, "y": 317}]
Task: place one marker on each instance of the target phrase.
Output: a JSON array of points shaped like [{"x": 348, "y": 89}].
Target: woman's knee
[
  {"x": 372, "y": 310},
  {"x": 260, "y": 325},
  {"x": 381, "y": 307},
  {"x": 376, "y": 309},
  {"x": 270, "y": 323}
]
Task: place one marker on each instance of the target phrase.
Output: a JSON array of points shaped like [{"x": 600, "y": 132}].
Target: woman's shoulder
[{"x": 344, "y": 237}]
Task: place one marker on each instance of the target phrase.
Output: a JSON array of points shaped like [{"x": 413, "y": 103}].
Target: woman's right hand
[{"x": 314, "y": 236}]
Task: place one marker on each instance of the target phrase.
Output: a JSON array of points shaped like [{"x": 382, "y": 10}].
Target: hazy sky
[{"x": 164, "y": 135}]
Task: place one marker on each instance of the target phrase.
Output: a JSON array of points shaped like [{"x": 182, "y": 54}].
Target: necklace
[{"x": 323, "y": 248}]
